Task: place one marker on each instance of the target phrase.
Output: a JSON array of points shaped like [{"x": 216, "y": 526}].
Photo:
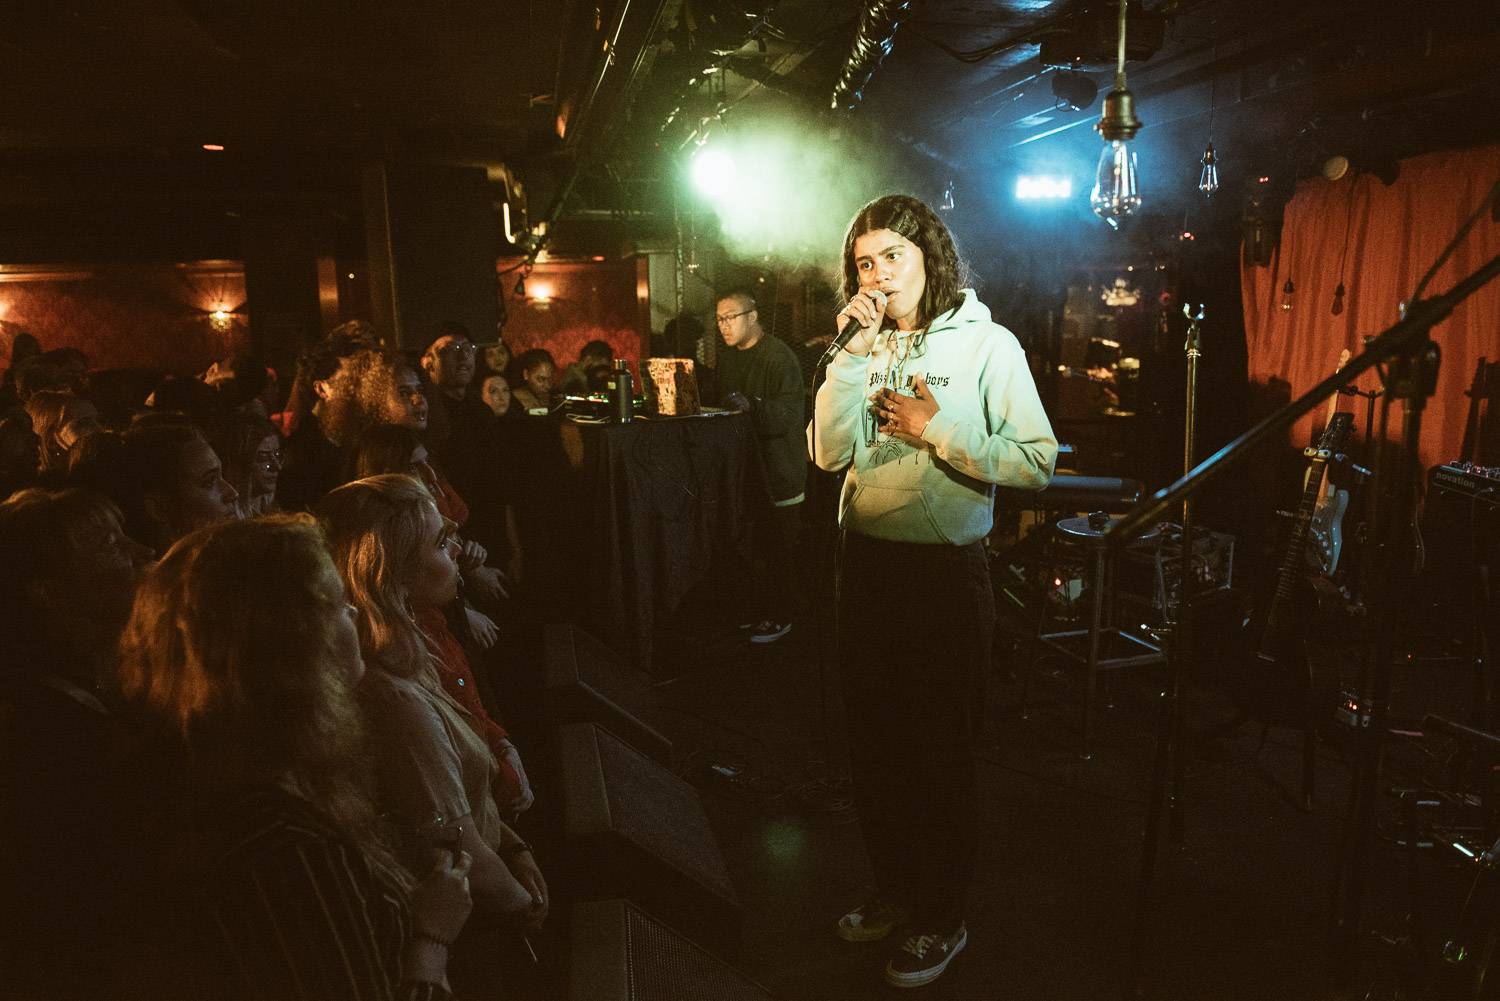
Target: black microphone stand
[
  {"x": 1412, "y": 376},
  {"x": 833, "y": 794},
  {"x": 1170, "y": 757}
]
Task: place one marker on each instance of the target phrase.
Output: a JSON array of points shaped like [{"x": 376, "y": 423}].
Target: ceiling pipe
[{"x": 873, "y": 41}]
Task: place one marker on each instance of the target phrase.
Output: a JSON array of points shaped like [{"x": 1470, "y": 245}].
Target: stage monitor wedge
[
  {"x": 621, "y": 953},
  {"x": 587, "y": 682},
  {"x": 632, "y": 828}
]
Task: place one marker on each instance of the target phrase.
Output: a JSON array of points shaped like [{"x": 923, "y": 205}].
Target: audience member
[
  {"x": 758, "y": 374},
  {"x": 397, "y": 555},
  {"x": 495, "y": 358},
  {"x": 40, "y": 373},
  {"x": 181, "y": 394},
  {"x": 495, "y": 392},
  {"x": 457, "y": 417},
  {"x": 60, "y": 420},
  {"x": 67, "y": 572},
  {"x": 246, "y": 385},
  {"x": 19, "y": 452},
  {"x": 23, "y": 346},
  {"x": 389, "y": 391},
  {"x": 537, "y": 370},
  {"x": 579, "y": 378},
  {"x": 169, "y": 482},
  {"x": 314, "y": 457},
  {"x": 97, "y": 463},
  {"x": 392, "y": 448},
  {"x": 249, "y": 448},
  {"x": 270, "y": 879}
]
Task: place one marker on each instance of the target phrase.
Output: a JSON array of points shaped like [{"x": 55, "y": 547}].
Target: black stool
[{"x": 1083, "y": 645}]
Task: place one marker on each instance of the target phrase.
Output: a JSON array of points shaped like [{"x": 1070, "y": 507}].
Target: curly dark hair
[{"x": 912, "y": 219}]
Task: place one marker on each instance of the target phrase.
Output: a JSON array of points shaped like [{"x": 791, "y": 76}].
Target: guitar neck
[{"x": 1291, "y": 562}]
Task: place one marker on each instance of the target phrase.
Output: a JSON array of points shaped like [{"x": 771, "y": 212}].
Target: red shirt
[{"x": 458, "y": 681}]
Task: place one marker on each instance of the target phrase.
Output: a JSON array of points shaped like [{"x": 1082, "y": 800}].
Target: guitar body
[
  {"x": 1326, "y": 533},
  {"x": 1285, "y": 680}
]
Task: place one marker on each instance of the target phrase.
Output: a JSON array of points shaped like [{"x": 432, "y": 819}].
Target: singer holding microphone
[{"x": 929, "y": 404}]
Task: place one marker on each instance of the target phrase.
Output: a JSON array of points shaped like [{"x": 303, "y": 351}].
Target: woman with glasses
[{"x": 250, "y": 449}]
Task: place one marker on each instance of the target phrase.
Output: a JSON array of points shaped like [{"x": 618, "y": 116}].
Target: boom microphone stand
[
  {"x": 1169, "y": 750},
  {"x": 1414, "y": 359}
]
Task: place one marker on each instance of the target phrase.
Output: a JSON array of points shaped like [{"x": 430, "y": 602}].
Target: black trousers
[
  {"x": 778, "y": 564},
  {"x": 915, "y": 629}
]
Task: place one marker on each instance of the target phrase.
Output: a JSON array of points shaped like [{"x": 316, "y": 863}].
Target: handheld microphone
[{"x": 851, "y": 327}]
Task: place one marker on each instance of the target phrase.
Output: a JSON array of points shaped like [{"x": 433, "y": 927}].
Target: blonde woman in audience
[
  {"x": 60, "y": 421},
  {"x": 263, "y": 867},
  {"x": 397, "y": 555}
]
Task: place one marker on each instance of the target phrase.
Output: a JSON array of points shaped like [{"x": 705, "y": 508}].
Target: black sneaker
[
  {"x": 769, "y": 631},
  {"x": 922, "y": 958}
]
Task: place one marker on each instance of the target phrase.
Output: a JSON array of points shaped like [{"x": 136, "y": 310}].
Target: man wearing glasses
[
  {"x": 457, "y": 419},
  {"x": 760, "y": 375}
]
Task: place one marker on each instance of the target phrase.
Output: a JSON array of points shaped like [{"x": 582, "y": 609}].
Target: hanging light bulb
[
  {"x": 1338, "y": 299},
  {"x": 1116, "y": 191},
  {"x": 1208, "y": 180},
  {"x": 1287, "y": 292},
  {"x": 1208, "y": 177},
  {"x": 947, "y": 204}
]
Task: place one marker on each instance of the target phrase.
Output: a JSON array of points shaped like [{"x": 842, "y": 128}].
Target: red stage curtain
[{"x": 1394, "y": 235}]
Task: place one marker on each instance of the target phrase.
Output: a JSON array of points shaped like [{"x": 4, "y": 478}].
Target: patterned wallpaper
[
  {"x": 584, "y": 301},
  {"x": 137, "y": 316}
]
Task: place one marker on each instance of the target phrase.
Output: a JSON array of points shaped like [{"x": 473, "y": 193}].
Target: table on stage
[{"x": 626, "y": 519}]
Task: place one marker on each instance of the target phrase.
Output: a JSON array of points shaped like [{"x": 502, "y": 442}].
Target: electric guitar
[
  {"x": 1281, "y": 683},
  {"x": 1327, "y": 528}
]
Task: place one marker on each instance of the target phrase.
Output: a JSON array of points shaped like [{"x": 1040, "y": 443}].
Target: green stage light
[{"x": 713, "y": 172}]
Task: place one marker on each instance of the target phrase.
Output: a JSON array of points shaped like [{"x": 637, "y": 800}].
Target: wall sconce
[
  {"x": 541, "y": 294},
  {"x": 221, "y": 319}
]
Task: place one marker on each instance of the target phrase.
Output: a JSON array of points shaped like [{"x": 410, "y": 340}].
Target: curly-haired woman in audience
[
  {"x": 239, "y": 663},
  {"x": 396, "y": 555}
]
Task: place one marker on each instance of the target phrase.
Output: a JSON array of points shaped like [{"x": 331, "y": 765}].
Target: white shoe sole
[
  {"x": 928, "y": 975},
  {"x": 771, "y": 637},
  {"x": 850, "y": 932}
]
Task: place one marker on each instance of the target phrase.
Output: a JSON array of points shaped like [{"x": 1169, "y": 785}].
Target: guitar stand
[{"x": 1309, "y": 755}]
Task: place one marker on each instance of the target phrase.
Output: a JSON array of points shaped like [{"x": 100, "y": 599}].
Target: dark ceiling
[
  {"x": 1289, "y": 82},
  {"x": 121, "y": 96}
]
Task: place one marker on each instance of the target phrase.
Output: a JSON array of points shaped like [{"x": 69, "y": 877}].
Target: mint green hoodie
[{"x": 990, "y": 429}]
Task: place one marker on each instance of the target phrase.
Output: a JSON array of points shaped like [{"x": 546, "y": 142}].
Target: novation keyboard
[{"x": 1468, "y": 480}]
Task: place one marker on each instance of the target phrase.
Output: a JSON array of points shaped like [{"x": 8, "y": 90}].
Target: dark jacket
[
  {"x": 769, "y": 376},
  {"x": 312, "y": 467}
]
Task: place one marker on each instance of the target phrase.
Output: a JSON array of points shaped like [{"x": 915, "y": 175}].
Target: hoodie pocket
[{"x": 901, "y": 514}]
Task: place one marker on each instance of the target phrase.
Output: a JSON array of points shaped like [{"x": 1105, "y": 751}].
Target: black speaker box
[
  {"x": 632, "y": 828},
  {"x": 587, "y": 682},
  {"x": 620, "y": 953}
]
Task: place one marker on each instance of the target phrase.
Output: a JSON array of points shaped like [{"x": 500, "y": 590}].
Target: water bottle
[{"x": 622, "y": 393}]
